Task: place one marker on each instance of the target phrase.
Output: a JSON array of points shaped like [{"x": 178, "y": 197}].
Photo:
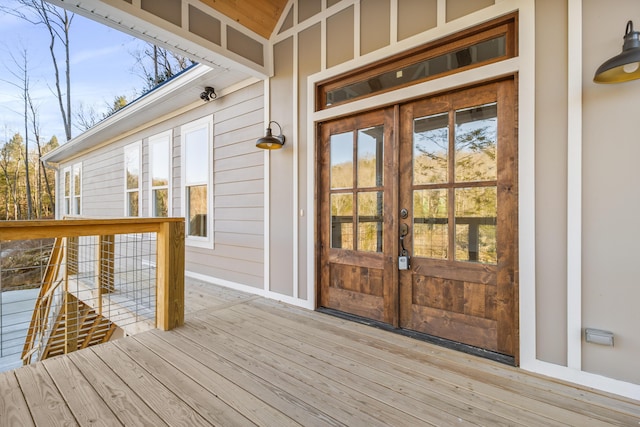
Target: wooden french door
[
  {"x": 357, "y": 196},
  {"x": 435, "y": 179}
]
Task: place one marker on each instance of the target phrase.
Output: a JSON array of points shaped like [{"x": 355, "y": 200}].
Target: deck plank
[
  {"x": 417, "y": 401},
  {"x": 127, "y": 406},
  {"x": 285, "y": 401},
  {"x": 455, "y": 397},
  {"x": 391, "y": 348},
  {"x": 243, "y": 360},
  {"x": 13, "y": 408},
  {"x": 231, "y": 394},
  {"x": 86, "y": 405},
  {"x": 156, "y": 395},
  {"x": 46, "y": 405},
  {"x": 206, "y": 404},
  {"x": 347, "y": 406}
]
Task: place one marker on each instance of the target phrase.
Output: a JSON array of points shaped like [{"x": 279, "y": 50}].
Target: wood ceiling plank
[{"x": 260, "y": 16}]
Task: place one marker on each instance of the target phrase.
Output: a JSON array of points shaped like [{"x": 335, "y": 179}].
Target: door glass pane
[
  {"x": 342, "y": 160},
  {"x": 476, "y": 224},
  {"x": 342, "y": 221},
  {"x": 430, "y": 223},
  {"x": 197, "y": 210},
  {"x": 430, "y": 148},
  {"x": 370, "y": 221},
  {"x": 476, "y": 143},
  {"x": 370, "y": 161}
]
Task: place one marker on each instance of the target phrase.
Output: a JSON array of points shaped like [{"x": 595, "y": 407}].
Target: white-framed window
[
  {"x": 160, "y": 174},
  {"x": 66, "y": 210},
  {"x": 77, "y": 189},
  {"x": 72, "y": 183},
  {"x": 132, "y": 178},
  {"x": 197, "y": 181}
]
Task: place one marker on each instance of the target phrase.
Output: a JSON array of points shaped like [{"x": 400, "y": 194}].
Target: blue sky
[{"x": 102, "y": 68}]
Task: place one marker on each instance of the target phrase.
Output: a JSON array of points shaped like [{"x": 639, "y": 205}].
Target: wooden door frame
[{"x": 392, "y": 209}]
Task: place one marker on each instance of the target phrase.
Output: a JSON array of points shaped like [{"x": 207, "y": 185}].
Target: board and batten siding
[{"x": 238, "y": 185}]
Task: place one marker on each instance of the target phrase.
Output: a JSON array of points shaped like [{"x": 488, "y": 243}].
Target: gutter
[{"x": 180, "y": 80}]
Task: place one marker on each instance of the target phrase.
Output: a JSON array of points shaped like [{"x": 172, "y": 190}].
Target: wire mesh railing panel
[
  {"x": 22, "y": 267},
  {"x": 99, "y": 286}
]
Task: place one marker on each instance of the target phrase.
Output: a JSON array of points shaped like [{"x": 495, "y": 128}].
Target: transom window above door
[{"x": 482, "y": 45}]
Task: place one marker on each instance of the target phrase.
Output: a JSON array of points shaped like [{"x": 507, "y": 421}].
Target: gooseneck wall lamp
[
  {"x": 624, "y": 66},
  {"x": 270, "y": 142}
]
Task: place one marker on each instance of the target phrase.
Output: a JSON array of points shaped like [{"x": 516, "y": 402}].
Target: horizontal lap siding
[
  {"x": 238, "y": 193},
  {"x": 102, "y": 181},
  {"x": 238, "y": 185}
]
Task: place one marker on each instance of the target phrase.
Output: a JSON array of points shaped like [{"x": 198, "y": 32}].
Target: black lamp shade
[
  {"x": 626, "y": 65},
  {"x": 270, "y": 142}
]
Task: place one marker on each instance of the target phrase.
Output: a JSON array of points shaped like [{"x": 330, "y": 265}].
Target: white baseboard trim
[{"x": 251, "y": 290}]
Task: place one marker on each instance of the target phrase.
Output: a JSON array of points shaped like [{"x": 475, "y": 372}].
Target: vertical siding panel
[
  {"x": 281, "y": 215},
  {"x": 309, "y": 48}
]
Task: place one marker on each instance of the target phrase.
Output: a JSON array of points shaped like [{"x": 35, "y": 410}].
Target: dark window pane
[
  {"x": 472, "y": 55},
  {"x": 370, "y": 219},
  {"x": 342, "y": 221},
  {"x": 430, "y": 149},
  {"x": 197, "y": 210},
  {"x": 476, "y": 224},
  {"x": 161, "y": 202},
  {"x": 370, "y": 157},
  {"x": 342, "y": 160},
  {"x": 476, "y": 143},
  {"x": 430, "y": 223}
]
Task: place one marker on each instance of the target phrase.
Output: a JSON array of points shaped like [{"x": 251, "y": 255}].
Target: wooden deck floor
[{"x": 243, "y": 360}]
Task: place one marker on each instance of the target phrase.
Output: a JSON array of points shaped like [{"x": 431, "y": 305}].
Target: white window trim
[
  {"x": 205, "y": 122},
  {"x": 155, "y": 139},
  {"x": 71, "y": 198},
  {"x": 134, "y": 146}
]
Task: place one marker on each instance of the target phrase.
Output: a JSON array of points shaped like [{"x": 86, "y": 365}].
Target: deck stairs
[{"x": 62, "y": 323}]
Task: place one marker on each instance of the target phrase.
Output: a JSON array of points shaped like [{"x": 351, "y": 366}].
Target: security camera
[{"x": 209, "y": 94}]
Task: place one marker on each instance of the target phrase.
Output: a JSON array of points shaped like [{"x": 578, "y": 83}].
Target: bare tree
[
  {"x": 58, "y": 23},
  {"x": 35, "y": 126},
  {"x": 156, "y": 65},
  {"x": 10, "y": 159},
  {"x": 22, "y": 76},
  {"x": 87, "y": 117}
]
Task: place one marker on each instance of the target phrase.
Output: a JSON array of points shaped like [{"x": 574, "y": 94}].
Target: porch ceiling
[
  {"x": 259, "y": 16},
  {"x": 228, "y": 34}
]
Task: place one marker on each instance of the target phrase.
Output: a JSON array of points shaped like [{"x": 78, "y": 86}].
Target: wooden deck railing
[{"x": 84, "y": 295}]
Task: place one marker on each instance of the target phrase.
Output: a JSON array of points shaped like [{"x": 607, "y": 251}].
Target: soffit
[{"x": 259, "y": 16}]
